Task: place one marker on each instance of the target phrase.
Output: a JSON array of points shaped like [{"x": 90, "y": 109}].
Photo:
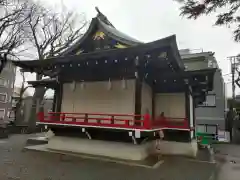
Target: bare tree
[
  {"x": 229, "y": 15},
  {"x": 11, "y": 35},
  {"x": 50, "y": 34}
]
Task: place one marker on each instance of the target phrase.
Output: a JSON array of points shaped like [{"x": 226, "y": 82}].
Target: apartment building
[
  {"x": 212, "y": 110},
  {"x": 7, "y": 80}
]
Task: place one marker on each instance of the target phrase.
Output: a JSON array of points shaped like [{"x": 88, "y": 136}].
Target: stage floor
[{"x": 30, "y": 165}]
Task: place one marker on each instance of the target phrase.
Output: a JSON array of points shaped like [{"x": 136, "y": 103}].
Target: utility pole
[
  {"x": 235, "y": 62},
  {"x": 233, "y": 66},
  {"x": 230, "y": 121}
]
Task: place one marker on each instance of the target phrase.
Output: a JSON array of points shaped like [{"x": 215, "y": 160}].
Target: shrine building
[{"x": 113, "y": 93}]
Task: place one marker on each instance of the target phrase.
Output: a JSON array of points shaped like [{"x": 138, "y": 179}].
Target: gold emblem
[
  {"x": 79, "y": 52},
  {"x": 163, "y": 55},
  {"x": 120, "y": 46},
  {"x": 99, "y": 35}
]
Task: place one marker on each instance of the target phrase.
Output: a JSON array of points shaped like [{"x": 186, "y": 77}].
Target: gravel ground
[{"x": 17, "y": 164}]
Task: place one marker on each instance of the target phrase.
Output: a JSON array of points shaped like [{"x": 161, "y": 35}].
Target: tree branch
[
  {"x": 11, "y": 35},
  {"x": 192, "y": 9}
]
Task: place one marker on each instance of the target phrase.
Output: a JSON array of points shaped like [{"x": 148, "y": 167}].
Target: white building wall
[
  {"x": 146, "y": 98},
  {"x": 172, "y": 104},
  {"x": 95, "y": 97},
  {"x": 191, "y": 105},
  {"x": 209, "y": 114}
]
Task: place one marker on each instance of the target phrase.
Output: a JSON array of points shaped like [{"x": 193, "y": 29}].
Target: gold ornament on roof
[
  {"x": 99, "y": 35},
  {"x": 163, "y": 55},
  {"x": 120, "y": 46},
  {"x": 79, "y": 52}
]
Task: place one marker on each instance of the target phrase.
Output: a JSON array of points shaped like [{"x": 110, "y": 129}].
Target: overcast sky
[{"x": 154, "y": 19}]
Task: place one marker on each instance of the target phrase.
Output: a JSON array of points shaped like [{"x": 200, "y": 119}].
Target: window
[
  {"x": 210, "y": 63},
  {"x": 12, "y": 84},
  {"x": 214, "y": 65},
  {"x": 3, "y": 82},
  {"x": 11, "y": 114},
  {"x": 210, "y": 101},
  {"x": 14, "y": 102},
  {"x": 2, "y": 114},
  {"x": 3, "y": 97}
]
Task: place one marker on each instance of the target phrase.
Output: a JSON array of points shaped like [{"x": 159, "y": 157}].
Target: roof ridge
[{"x": 103, "y": 18}]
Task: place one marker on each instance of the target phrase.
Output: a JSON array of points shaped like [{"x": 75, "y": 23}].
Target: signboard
[{"x": 223, "y": 136}]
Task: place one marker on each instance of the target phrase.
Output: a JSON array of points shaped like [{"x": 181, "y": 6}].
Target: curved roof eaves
[{"x": 118, "y": 35}]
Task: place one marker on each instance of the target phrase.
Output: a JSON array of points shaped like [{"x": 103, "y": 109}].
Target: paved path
[
  {"x": 229, "y": 157},
  {"x": 18, "y": 165}
]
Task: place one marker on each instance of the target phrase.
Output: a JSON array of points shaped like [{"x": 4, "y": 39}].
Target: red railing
[
  {"x": 113, "y": 121},
  {"x": 171, "y": 123}
]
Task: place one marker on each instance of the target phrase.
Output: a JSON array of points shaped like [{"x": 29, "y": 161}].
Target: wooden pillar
[
  {"x": 187, "y": 104},
  {"x": 194, "y": 118},
  {"x": 192, "y": 108},
  {"x": 59, "y": 97},
  {"x": 187, "y": 108},
  {"x": 138, "y": 95},
  {"x": 54, "y": 100},
  {"x": 153, "y": 103},
  {"x": 138, "y": 89}
]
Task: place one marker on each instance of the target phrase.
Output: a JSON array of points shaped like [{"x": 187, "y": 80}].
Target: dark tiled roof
[
  {"x": 168, "y": 42},
  {"x": 106, "y": 26}
]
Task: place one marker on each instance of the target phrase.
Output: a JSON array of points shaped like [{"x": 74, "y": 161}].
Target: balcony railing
[
  {"x": 114, "y": 121},
  {"x": 171, "y": 123}
]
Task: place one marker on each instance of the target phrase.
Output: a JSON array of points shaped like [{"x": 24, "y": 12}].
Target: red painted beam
[{"x": 146, "y": 122}]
